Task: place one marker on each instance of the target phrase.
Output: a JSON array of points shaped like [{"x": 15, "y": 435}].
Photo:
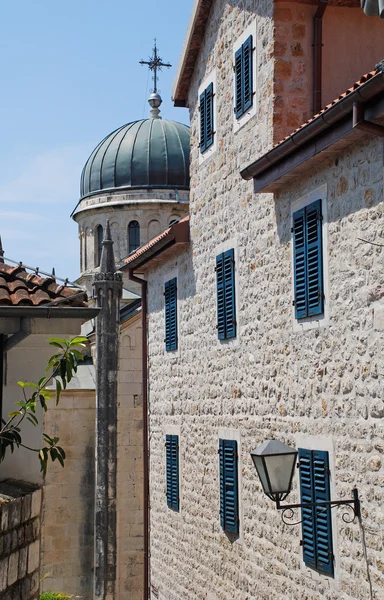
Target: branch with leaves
[{"x": 61, "y": 368}]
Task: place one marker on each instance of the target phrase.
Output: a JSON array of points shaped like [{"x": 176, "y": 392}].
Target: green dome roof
[{"x": 151, "y": 153}]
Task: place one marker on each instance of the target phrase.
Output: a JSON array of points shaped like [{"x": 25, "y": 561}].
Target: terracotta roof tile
[
  {"x": 143, "y": 249},
  {"x": 355, "y": 86},
  {"x": 20, "y": 288}
]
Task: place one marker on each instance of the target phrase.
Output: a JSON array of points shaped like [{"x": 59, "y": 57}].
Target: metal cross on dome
[{"x": 155, "y": 63}]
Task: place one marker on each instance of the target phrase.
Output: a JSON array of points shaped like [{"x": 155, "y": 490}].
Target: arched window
[
  {"x": 99, "y": 244},
  {"x": 133, "y": 236},
  {"x": 173, "y": 221}
]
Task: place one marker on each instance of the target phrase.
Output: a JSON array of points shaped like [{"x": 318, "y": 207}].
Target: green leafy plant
[
  {"x": 54, "y": 596},
  {"x": 61, "y": 368}
]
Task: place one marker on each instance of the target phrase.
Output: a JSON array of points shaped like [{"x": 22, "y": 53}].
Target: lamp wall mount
[{"x": 352, "y": 504}]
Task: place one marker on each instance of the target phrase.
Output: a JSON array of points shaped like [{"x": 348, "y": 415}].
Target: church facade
[{"x": 268, "y": 324}]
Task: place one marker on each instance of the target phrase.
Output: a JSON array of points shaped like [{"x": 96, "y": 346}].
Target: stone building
[
  {"x": 254, "y": 334},
  {"x": 137, "y": 179},
  {"x": 33, "y": 307}
]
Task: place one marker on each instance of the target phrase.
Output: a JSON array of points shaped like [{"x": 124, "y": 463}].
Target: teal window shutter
[
  {"x": 308, "y": 261},
  {"x": 229, "y": 493},
  {"x": 220, "y": 296},
  {"x": 225, "y": 291},
  {"x": 229, "y": 287},
  {"x": 247, "y": 74},
  {"x": 209, "y": 132},
  {"x": 243, "y": 78},
  {"x": 324, "y": 546},
  {"x": 203, "y": 119},
  {"x": 170, "y": 306},
  {"x": 239, "y": 82},
  {"x": 172, "y": 471},
  {"x": 316, "y": 522}
]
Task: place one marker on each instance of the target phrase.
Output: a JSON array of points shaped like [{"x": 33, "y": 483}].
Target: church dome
[{"x": 150, "y": 153}]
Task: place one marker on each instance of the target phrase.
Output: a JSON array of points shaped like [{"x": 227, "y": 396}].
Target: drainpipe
[
  {"x": 317, "y": 54},
  {"x": 143, "y": 284}
]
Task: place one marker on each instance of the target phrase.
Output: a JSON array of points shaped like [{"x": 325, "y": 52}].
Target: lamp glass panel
[
  {"x": 279, "y": 469},
  {"x": 259, "y": 464}
]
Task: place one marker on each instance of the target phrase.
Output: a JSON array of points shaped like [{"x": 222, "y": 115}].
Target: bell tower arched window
[
  {"x": 133, "y": 236},
  {"x": 99, "y": 244}
]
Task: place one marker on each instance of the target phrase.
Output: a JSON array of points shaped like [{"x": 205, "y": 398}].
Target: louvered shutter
[
  {"x": 314, "y": 258},
  {"x": 316, "y": 524},
  {"x": 170, "y": 305},
  {"x": 299, "y": 264},
  {"x": 203, "y": 118},
  {"x": 168, "y": 448},
  {"x": 229, "y": 293},
  {"x": 172, "y": 471},
  {"x": 323, "y": 524},
  {"x": 247, "y": 74},
  {"x": 239, "y": 82},
  {"x": 220, "y": 296},
  {"x": 229, "y": 496},
  {"x": 307, "y": 514},
  {"x": 209, "y": 116},
  {"x": 222, "y": 484},
  {"x": 308, "y": 261}
]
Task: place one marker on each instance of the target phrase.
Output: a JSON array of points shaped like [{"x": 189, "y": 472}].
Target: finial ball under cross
[{"x": 155, "y": 63}]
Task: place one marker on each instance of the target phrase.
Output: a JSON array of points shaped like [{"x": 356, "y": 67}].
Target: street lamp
[{"x": 275, "y": 464}]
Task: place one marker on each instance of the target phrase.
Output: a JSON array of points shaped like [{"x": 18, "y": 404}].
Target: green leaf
[
  {"x": 58, "y": 391},
  {"x": 78, "y": 341},
  {"x": 14, "y": 413}
]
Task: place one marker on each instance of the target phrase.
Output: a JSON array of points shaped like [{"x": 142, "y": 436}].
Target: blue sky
[{"x": 70, "y": 75}]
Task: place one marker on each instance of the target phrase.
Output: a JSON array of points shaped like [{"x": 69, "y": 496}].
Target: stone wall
[
  {"x": 68, "y": 510},
  {"x": 317, "y": 388},
  {"x": 20, "y": 510},
  {"x": 130, "y": 530}
]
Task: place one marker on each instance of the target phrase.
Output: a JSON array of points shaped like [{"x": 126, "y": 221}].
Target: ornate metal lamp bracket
[{"x": 352, "y": 504}]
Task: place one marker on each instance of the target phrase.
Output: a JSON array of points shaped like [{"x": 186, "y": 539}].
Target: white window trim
[
  {"x": 167, "y": 277},
  {"x": 212, "y": 149},
  {"x": 318, "y": 321},
  {"x": 241, "y": 121},
  {"x": 173, "y": 430},
  {"x": 325, "y": 444},
  {"x": 232, "y": 434},
  {"x": 223, "y": 247}
]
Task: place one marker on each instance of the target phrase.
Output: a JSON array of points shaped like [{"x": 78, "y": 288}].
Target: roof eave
[
  {"x": 314, "y": 138},
  {"x": 176, "y": 239},
  {"x": 190, "y": 50}
]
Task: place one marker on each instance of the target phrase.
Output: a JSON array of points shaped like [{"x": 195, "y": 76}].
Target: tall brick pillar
[{"x": 107, "y": 287}]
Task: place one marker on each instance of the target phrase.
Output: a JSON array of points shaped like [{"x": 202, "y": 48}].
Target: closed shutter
[
  {"x": 316, "y": 522},
  {"x": 307, "y": 514},
  {"x": 239, "y": 82},
  {"x": 209, "y": 116},
  {"x": 170, "y": 305},
  {"x": 324, "y": 547},
  {"x": 220, "y": 296},
  {"x": 172, "y": 471},
  {"x": 229, "y": 494},
  {"x": 243, "y": 78},
  {"x": 248, "y": 76},
  {"x": 203, "y": 119},
  {"x": 308, "y": 261},
  {"x": 229, "y": 285},
  {"x": 225, "y": 290},
  {"x": 314, "y": 258}
]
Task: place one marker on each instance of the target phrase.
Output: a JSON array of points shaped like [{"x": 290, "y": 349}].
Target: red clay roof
[
  {"x": 20, "y": 288},
  {"x": 356, "y": 85},
  {"x": 176, "y": 233},
  {"x": 143, "y": 249},
  {"x": 369, "y": 86}
]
